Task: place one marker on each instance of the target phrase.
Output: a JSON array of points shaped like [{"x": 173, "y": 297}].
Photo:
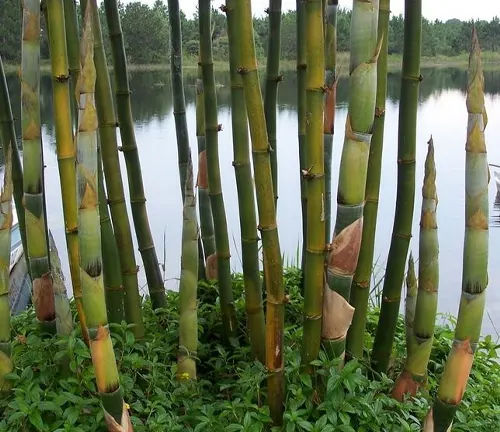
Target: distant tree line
[{"x": 146, "y": 32}]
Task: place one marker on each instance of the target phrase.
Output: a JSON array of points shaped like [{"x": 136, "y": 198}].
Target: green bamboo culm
[
  {"x": 410, "y": 304},
  {"x": 405, "y": 196},
  {"x": 343, "y": 258},
  {"x": 188, "y": 315},
  {"x": 475, "y": 256},
  {"x": 147, "y": 249},
  {"x": 330, "y": 11},
  {"x": 114, "y": 184},
  {"x": 268, "y": 227},
  {"x": 421, "y": 335},
  {"x": 360, "y": 287},
  {"x": 315, "y": 254},
  {"x": 113, "y": 283},
  {"x": 94, "y": 303},
  {"x": 229, "y": 323},
  {"x": 181, "y": 129},
  {"x": 246, "y": 195},
  {"x": 6, "y": 363},
  {"x": 205, "y": 208},
  {"x": 72, "y": 43},
  {"x": 7, "y": 129},
  {"x": 273, "y": 78},
  {"x": 301, "y": 119}
]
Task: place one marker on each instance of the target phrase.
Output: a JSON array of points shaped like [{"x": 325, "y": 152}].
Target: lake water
[{"x": 441, "y": 112}]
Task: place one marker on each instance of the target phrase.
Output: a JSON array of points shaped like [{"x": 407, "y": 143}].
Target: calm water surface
[{"x": 441, "y": 112}]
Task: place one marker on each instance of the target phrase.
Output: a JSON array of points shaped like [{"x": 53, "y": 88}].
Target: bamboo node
[
  {"x": 267, "y": 228},
  {"x": 62, "y": 78},
  {"x": 115, "y": 201},
  {"x": 379, "y": 112},
  {"x": 313, "y": 317},
  {"x": 145, "y": 248},
  {"x": 140, "y": 200}
]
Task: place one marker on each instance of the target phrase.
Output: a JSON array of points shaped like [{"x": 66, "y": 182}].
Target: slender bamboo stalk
[
  {"x": 188, "y": 317},
  {"x": 205, "y": 208},
  {"x": 113, "y": 283},
  {"x": 329, "y": 104},
  {"x": 405, "y": 197},
  {"x": 421, "y": 335},
  {"x": 132, "y": 161},
  {"x": 8, "y": 133},
  {"x": 360, "y": 287},
  {"x": 72, "y": 43},
  {"x": 114, "y": 185},
  {"x": 103, "y": 357},
  {"x": 475, "y": 262},
  {"x": 66, "y": 158},
  {"x": 6, "y": 363},
  {"x": 301, "y": 114},
  {"x": 316, "y": 245},
  {"x": 265, "y": 204},
  {"x": 273, "y": 78},
  {"x": 181, "y": 129},
  {"x": 343, "y": 258},
  {"x": 213, "y": 170},
  {"x": 246, "y": 195}
]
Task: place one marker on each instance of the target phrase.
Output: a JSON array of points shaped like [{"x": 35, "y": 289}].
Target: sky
[{"x": 432, "y": 9}]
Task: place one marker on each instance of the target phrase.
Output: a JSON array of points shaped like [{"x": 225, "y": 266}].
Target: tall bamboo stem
[
  {"x": 273, "y": 266},
  {"x": 246, "y": 195},
  {"x": 405, "y": 197},
  {"x": 114, "y": 185},
  {"x": 315, "y": 255},
  {"x": 360, "y": 287},
  {"x": 72, "y": 43},
  {"x": 131, "y": 154}
]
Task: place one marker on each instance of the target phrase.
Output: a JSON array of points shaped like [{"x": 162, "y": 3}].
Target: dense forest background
[{"x": 147, "y": 34}]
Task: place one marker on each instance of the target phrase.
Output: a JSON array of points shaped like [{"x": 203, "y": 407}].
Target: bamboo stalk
[
  {"x": 103, "y": 356},
  {"x": 72, "y": 43},
  {"x": 410, "y": 304},
  {"x": 360, "y": 287},
  {"x": 301, "y": 117},
  {"x": 205, "y": 208},
  {"x": 405, "y": 197},
  {"x": 188, "y": 317},
  {"x": 475, "y": 262},
  {"x": 343, "y": 258},
  {"x": 6, "y": 363},
  {"x": 228, "y": 311},
  {"x": 265, "y": 204},
  {"x": 114, "y": 185},
  {"x": 421, "y": 334},
  {"x": 316, "y": 245},
  {"x": 183, "y": 150},
  {"x": 329, "y": 104},
  {"x": 131, "y": 154},
  {"x": 246, "y": 195},
  {"x": 273, "y": 78}
]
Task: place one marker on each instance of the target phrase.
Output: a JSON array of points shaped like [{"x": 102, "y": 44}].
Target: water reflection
[{"x": 441, "y": 112}]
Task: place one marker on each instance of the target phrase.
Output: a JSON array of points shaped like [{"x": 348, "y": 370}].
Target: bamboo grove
[{"x": 337, "y": 249}]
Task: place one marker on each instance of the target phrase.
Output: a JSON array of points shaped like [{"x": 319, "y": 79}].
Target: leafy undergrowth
[{"x": 230, "y": 393}]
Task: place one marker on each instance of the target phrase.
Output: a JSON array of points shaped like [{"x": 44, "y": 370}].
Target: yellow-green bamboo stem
[
  {"x": 130, "y": 151},
  {"x": 316, "y": 246},
  {"x": 405, "y": 195},
  {"x": 103, "y": 357},
  {"x": 6, "y": 364},
  {"x": 72, "y": 43},
  {"x": 205, "y": 208},
  {"x": 360, "y": 287},
  {"x": 273, "y": 78},
  {"x": 419, "y": 338},
  {"x": 410, "y": 304},
  {"x": 246, "y": 196},
  {"x": 343, "y": 258},
  {"x": 228, "y": 311},
  {"x": 475, "y": 257},
  {"x": 114, "y": 184},
  {"x": 268, "y": 227},
  {"x": 188, "y": 317}
]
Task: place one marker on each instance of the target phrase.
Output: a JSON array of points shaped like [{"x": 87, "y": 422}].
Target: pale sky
[{"x": 432, "y": 9}]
